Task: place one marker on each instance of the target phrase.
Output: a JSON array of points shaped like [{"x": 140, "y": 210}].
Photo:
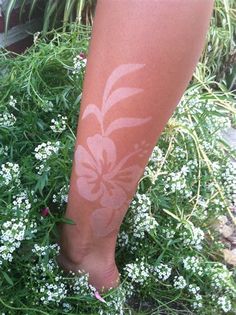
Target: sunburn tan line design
[{"x": 100, "y": 176}]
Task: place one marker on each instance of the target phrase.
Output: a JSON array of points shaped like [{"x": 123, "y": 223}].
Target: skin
[{"x": 142, "y": 55}]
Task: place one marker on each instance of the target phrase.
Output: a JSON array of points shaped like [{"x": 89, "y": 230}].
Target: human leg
[{"x": 141, "y": 57}]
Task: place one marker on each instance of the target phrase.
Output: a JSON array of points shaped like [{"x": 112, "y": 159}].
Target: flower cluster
[
  {"x": 53, "y": 292},
  {"x": 177, "y": 181},
  {"x": 7, "y": 119},
  {"x": 12, "y": 101},
  {"x": 141, "y": 220},
  {"x": 80, "y": 284},
  {"x": 156, "y": 156},
  {"x": 45, "y": 150},
  {"x": 62, "y": 196},
  {"x": 194, "y": 264},
  {"x": 179, "y": 153},
  {"x": 58, "y": 125},
  {"x": 47, "y": 106},
  {"x": 224, "y": 303},
  {"x": 192, "y": 102},
  {"x": 220, "y": 276},
  {"x": 193, "y": 237},
  {"x": 21, "y": 204},
  {"x": 229, "y": 179},
  {"x": 9, "y": 174},
  {"x": 155, "y": 162},
  {"x": 207, "y": 145},
  {"x": 168, "y": 231},
  {"x": 43, "y": 153},
  {"x": 216, "y": 124},
  {"x": 155, "y": 159},
  {"x": 79, "y": 63},
  {"x": 41, "y": 250},
  {"x": 13, "y": 232},
  {"x": 138, "y": 272},
  {"x": 117, "y": 298},
  {"x": 201, "y": 210},
  {"x": 195, "y": 290},
  {"x": 162, "y": 271},
  {"x": 67, "y": 307},
  {"x": 179, "y": 282},
  {"x": 123, "y": 239},
  {"x": 48, "y": 283},
  {"x": 4, "y": 150}
]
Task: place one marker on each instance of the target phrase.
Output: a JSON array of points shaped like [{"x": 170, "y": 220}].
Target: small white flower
[
  {"x": 138, "y": 272},
  {"x": 79, "y": 63},
  {"x": 7, "y": 119},
  {"x": 58, "y": 125},
  {"x": 47, "y": 106},
  {"x": 225, "y": 303},
  {"x": 179, "y": 282},
  {"x": 9, "y": 174},
  {"x": 12, "y": 101},
  {"x": 162, "y": 271}
]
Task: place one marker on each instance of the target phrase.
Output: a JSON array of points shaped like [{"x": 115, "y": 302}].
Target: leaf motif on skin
[
  {"x": 116, "y": 74},
  {"x": 125, "y": 122},
  {"x": 118, "y": 95},
  {"x": 100, "y": 176},
  {"x": 92, "y": 109}
]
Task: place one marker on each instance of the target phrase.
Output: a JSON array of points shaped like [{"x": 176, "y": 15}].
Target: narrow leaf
[
  {"x": 92, "y": 109},
  {"x": 69, "y": 5},
  {"x": 171, "y": 214},
  {"x": 116, "y": 74},
  {"x": 41, "y": 183},
  {"x": 9, "y": 9},
  {"x": 8, "y": 279},
  {"x": 66, "y": 220},
  {"x": 118, "y": 95},
  {"x": 32, "y": 6},
  {"x": 22, "y": 9},
  {"x": 79, "y": 10},
  {"x": 124, "y": 123},
  {"x": 50, "y": 9}
]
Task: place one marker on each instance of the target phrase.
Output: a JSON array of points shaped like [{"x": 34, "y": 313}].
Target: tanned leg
[{"x": 141, "y": 58}]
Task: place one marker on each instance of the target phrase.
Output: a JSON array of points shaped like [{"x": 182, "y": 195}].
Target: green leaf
[
  {"x": 10, "y": 6},
  {"x": 32, "y": 7},
  {"x": 172, "y": 215},
  {"x": 7, "y": 278},
  {"x": 79, "y": 10},
  {"x": 67, "y": 11},
  {"x": 66, "y": 220},
  {"x": 42, "y": 182},
  {"x": 50, "y": 9}
]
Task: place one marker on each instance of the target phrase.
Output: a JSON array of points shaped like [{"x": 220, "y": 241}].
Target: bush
[{"x": 168, "y": 251}]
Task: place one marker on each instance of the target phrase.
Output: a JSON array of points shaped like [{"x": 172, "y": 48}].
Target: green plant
[
  {"x": 168, "y": 252},
  {"x": 217, "y": 58},
  {"x": 56, "y": 12}
]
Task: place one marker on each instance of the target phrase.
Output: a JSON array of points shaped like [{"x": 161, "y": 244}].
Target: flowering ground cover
[{"x": 168, "y": 251}]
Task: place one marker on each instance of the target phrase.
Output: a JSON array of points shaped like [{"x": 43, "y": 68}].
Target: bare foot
[
  {"x": 94, "y": 259},
  {"x": 102, "y": 277}
]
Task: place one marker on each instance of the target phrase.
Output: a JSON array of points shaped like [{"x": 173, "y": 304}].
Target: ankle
[
  {"x": 75, "y": 246},
  {"x": 103, "y": 273}
]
